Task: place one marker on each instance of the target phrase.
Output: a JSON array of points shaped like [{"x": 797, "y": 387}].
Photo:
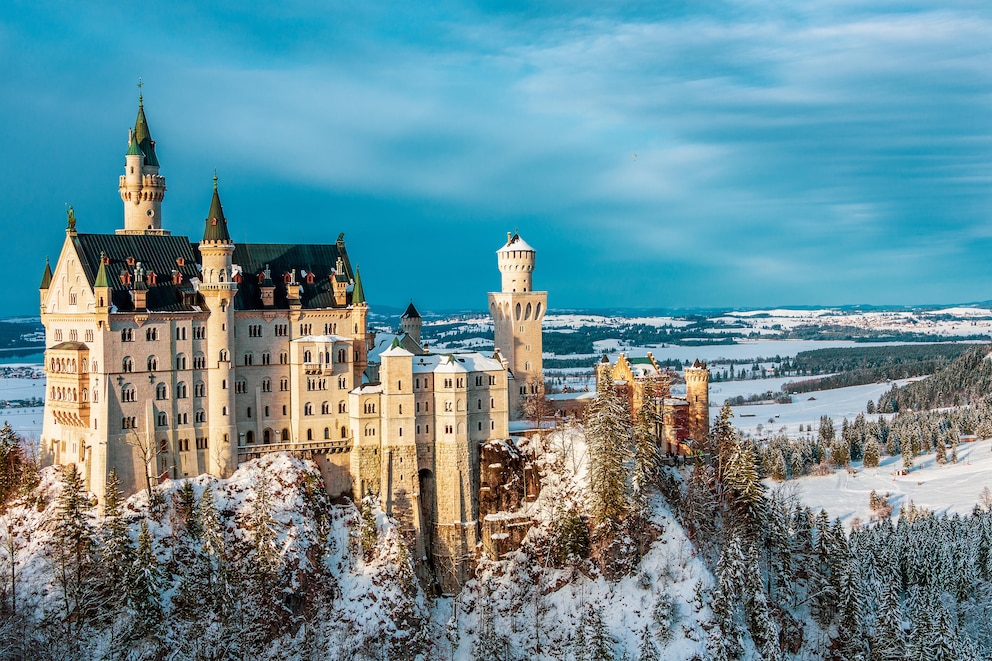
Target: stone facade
[
  {"x": 517, "y": 313},
  {"x": 168, "y": 358}
]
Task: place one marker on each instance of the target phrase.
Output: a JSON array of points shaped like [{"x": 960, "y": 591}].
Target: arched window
[
  {"x": 152, "y": 363},
  {"x": 181, "y": 390},
  {"x": 342, "y": 355},
  {"x": 327, "y": 433},
  {"x": 342, "y": 382},
  {"x": 266, "y": 436},
  {"x": 308, "y": 409},
  {"x": 342, "y": 407},
  {"x": 199, "y": 389},
  {"x": 128, "y": 393},
  {"x": 325, "y": 408},
  {"x": 161, "y": 391},
  {"x": 309, "y": 434},
  {"x": 181, "y": 362},
  {"x": 285, "y": 435},
  {"x": 344, "y": 432},
  {"x": 127, "y": 365},
  {"x": 222, "y": 356},
  {"x": 249, "y": 437}
]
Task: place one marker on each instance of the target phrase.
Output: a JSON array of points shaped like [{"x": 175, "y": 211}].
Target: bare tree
[
  {"x": 149, "y": 451},
  {"x": 536, "y": 405}
]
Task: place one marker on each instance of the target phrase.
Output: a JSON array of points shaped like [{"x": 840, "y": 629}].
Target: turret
[
  {"x": 516, "y": 262},
  {"x": 218, "y": 290},
  {"x": 411, "y": 323},
  {"x": 142, "y": 189},
  {"x": 697, "y": 393},
  {"x": 46, "y": 281}
]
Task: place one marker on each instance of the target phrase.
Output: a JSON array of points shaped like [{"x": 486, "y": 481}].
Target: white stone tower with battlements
[
  {"x": 142, "y": 188},
  {"x": 518, "y": 312}
]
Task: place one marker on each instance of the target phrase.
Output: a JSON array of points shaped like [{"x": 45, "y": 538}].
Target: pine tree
[
  {"x": 648, "y": 651},
  {"x": 145, "y": 583},
  {"x": 724, "y": 438},
  {"x": 73, "y": 555},
  {"x": 778, "y": 467},
  {"x": 116, "y": 548},
  {"x": 941, "y": 450},
  {"x": 871, "y": 453},
  {"x": 608, "y": 435},
  {"x": 907, "y": 454},
  {"x": 598, "y": 638},
  {"x": 888, "y": 642},
  {"x": 850, "y": 627},
  {"x": 11, "y": 459},
  {"x": 647, "y": 459},
  {"x": 368, "y": 530},
  {"x": 745, "y": 493}
]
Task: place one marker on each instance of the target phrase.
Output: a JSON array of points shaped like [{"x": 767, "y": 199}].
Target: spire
[
  {"x": 411, "y": 312},
  {"x": 216, "y": 228},
  {"x": 101, "y": 275},
  {"x": 46, "y": 278},
  {"x": 357, "y": 293},
  {"x": 142, "y": 136},
  {"x": 132, "y": 144}
]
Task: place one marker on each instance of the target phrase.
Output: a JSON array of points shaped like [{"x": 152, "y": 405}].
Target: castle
[
  {"x": 169, "y": 358},
  {"x": 685, "y": 421}
]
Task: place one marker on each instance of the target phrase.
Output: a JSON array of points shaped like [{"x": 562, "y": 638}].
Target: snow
[{"x": 950, "y": 489}]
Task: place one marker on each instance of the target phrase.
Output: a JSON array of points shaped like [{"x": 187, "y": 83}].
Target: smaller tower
[
  {"x": 46, "y": 282},
  {"x": 141, "y": 187},
  {"x": 218, "y": 290},
  {"x": 518, "y": 313},
  {"x": 410, "y": 322},
  {"x": 697, "y": 393}
]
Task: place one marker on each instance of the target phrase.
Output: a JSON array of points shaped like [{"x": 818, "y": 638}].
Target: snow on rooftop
[
  {"x": 322, "y": 338},
  {"x": 514, "y": 244}
]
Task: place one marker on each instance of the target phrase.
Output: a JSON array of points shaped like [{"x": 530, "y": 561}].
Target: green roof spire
[
  {"x": 357, "y": 292},
  {"x": 216, "y": 229},
  {"x": 141, "y": 133},
  {"x": 132, "y": 144},
  {"x": 101, "y": 275},
  {"x": 46, "y": 278}
]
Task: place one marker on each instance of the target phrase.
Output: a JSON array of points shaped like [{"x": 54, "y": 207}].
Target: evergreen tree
[
  {"x": 778, "y": 467},
  {"x": 648, "y": 651},
  {"x": 73, "y": 555},
  {"x": 745, "y": 493},
  {"x": 888, "y": 642},
  {"x": 11, "y": 460},
  {"x": 368, "y": 531},
  {"x": 907, "y": 454},
  {"x": 608, "y": 435},
  {"x": 145, "y": 583},
  {"x": 941, "y": 451},
  {"x": 827, "y": 433},
  {"x": 851, "y": 640},
  {"x": 647, "y": 459},
  {"x": 117, "y": 550},
  {"x": 871, "y": 453},
  {"x": 598, "y": 639},
  {"x": 724, "y": 439}
]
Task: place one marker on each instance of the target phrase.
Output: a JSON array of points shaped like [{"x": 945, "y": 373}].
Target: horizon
[{"x": 710, "y": 158}]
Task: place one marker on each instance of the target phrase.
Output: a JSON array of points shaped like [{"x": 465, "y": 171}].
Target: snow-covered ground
[
  {"x": 951, "y": 488},
  {"x": 806, "y": 408}
]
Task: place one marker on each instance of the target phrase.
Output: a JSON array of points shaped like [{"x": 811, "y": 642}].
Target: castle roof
[
  {"x": 216, "y": 223},
  {"x": 163, "y": 255},
  {"x": 469, "y": 361},
  {"x": 411, "y": 312},
  {"x": 46, "y": 277},
  {"x": 143, "y": 136},
  {"x": 298, "y": 261},
  {"x": 514, "y": 243},
  {"x": 358, "y": 292}
]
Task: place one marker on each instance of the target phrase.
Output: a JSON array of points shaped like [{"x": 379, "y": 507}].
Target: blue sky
[{"x": 663, "y": 154}]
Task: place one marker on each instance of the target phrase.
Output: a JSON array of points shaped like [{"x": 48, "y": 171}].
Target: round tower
[
  {"x": 697, "y": 393},
  {"x": 516, "y": 262},
  {"x": 141, "y": 187},
  {"x": 218, "y": 290},
  {"x": 411, "y": 323}
]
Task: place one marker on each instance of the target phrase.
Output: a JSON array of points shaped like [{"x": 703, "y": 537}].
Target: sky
[{"x": 656, "y": 155}]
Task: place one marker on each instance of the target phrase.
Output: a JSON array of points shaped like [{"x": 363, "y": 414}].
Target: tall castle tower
[
  {"x": 142, "y": 188},
  {"x": 218, "y": 290},
  {"x": 697, "y": 393},
  {"x": 517, "y": 313},
  {"x": 411, "y": 322}
]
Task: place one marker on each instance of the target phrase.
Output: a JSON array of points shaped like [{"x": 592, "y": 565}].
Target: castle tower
[
  {"x": 697, "y": 393},
  {"x": 517, "y": 313},
  {"x": 410, "y": 323},
  {"x": 218, "y": 290},
  {"x": 142, "y": 188}
]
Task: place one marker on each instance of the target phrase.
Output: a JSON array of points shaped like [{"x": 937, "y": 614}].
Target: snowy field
[
  {"x": 806, "y": 408},
  {"x": 951, "y": 488}
]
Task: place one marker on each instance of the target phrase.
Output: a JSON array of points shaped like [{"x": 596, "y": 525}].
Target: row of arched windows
[{"x": 67, "y": 394}]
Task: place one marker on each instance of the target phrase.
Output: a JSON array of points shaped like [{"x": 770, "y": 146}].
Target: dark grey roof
[
  {"x": 411, "y": 312},
  {"x": 157, "y": 254},
  {"x": 318, "y": 259}
]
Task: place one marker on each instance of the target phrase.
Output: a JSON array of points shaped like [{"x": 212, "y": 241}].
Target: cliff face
[{"x": 508, "y": 482}]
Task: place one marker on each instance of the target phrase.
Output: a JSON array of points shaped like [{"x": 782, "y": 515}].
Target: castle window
[
  {"x": 180, "y": 332},
  {"x": 151, "y": 334},
  {"x": 182, "y": 418},
  {"x": 88, "y": 336},
  {"x": 478, "y": 380},
  {"x": 127, "y": 365},
  {"x": 342, "y": 382},
  {"x": 400, "y": 411},
  {"x": 200, "y": 362},
  {"x": 266, "y": 436},
  {"x": 307, "y": 356},
  {"x": 181, "y": 362},
  {"x": 461, "y": 383},
  {"x": 325, "y": 408},
  {"x": 199, "y": 332},
  {"x": 448, "y": 429},
  {"x": 152, "y": 363},
  {"x": 342, "y": 355},
  {"x": 285, "y": 435},
  {"x": 248, "y": 412},
  {"x": 249, "y": 359},
  {"x": 492, "y": 380},
  {"x": 223, "y": 384},
  {"x": 222, "y": 356},
  {"x": 127, "y": 335},
  {"x": 308, "y": 409},
  {"x": 480, "y": 405},
  {"x": 447, "y": 406},
  {"x": 58, "y": 335},
  {"x": 266, "y": 411},
  {"x": 73, "y": 335},
  {"x": 201, "y": 443},
  {"x": 447, "y": 383},
  {"x": 199, "y": 389},
  {"x": 72, "y": 298},
  {"x": 401, "y": 433},
  {"x": 284, "y": 409},
  {"x": 344, "y": 432},
  {"x": 181, "y": 390},
  {"x": 527, "y": 366},
  {"x": 163, "y": 446},
  {"x": 283, "y": 358},
  {"x": 160, "y": 391},
  {"x": 309, "y": 434},
  {"x": 342, "y": 407},
  {"x": 418, "y": 407},
  {"x": 492, "y": 402},
  {"x": 266, "y": 385},
  {"x": 283, "y": 385},
  {"x": 418, "y": 429},
  {"x": 240, "y": 387},
  {"x": 416, "y": 383},
  {"x": 200, "y": 416},
  {"x": 266, "y": 358},
  {"x": 327, "y": 433},
  {"x": 492, "y": 424},
  {"x": 223, "y": 411},
  {"x": 162, "y": 420},
  {"x": 480, "y": 426}
]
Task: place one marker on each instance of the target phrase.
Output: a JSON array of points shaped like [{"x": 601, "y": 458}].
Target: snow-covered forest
[{"x": 627, "y": 559}]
